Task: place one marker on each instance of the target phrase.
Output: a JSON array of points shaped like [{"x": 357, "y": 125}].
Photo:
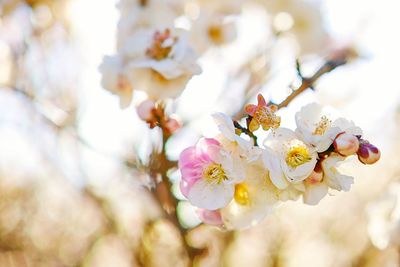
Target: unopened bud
[
  {"x": 316, "y": 176},
  {"x": 171, "y": 125},
  {"x": 346, "y": 144},
  {"x": 368, "y": 153},
  {"x": 146, "y": 109}
]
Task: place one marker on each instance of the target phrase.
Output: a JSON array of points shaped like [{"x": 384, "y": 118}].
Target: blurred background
[{"x": 73, "y": 194}]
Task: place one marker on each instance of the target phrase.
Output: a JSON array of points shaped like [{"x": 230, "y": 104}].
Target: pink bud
[
  {"x": 346, "y": 144},
  {"x": 171, "y": 125},
  {"x": 145, "y": 110},
  {"x": 368, "y": 153},
  {"x": 211, "y": 217},
  {"x": 316, "y": 176}
]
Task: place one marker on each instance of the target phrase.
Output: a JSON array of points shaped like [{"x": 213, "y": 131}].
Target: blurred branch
[{"x": 308, "y": 82}]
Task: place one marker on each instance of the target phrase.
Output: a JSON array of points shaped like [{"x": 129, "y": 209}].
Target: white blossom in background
[
  {"x": 301, "y": 20},
  {"x": 159, "y": 62},
  {"x": 142, "y": 14},
  {"x": 212, "y": 30}
]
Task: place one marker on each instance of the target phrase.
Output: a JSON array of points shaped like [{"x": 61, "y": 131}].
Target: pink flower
[{"x": 208, "y": 174}]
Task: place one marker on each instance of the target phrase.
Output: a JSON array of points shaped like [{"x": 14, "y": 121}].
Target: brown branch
[{"x": 307, "y": 83}]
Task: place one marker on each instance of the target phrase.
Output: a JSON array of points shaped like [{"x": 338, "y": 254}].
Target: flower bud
[
  {"x": 316, "y": 176},
  {"x": 368, "y": 153},
  {"x": 346, "y": 144},
  {"x": 171, "y": 125},
  {"x": 146, "y": 109}
]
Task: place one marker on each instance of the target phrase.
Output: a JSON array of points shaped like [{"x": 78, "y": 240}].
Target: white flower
[
  {"x": 289, "y": 158},
  {"x": 114, "y": 79},
  {"x": 253, "y": 198},
  {"x": 315, "y": 126},
  {"x": 210, "y": 30},
  {"x": 300, "y": 19},
  {"x": 160, "y": 62},
  {"x": 139, "y": 14},
  {"x": 316, "y": 189}
]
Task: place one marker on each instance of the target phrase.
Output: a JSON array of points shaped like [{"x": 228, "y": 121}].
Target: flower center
[
  {"x": 297, "y": 156},
  {"x": 241, "y": 195},
  {"x": 215, "y": 33},
  {"x": 214, "y": 173},
  {"x": 267, "y": 117},
  {"x": 322, "y": 126},
  {"x": 162, "y": 45}
]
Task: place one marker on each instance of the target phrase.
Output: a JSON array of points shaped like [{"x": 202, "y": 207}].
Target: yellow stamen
[
  {"x": 160, "y": 50},
  {"x": 267, "y": 118},
  {"x": 322, "y": 126},
  {"x": 297, "y": 156},
  {"x": 242, "y": 194},
  {"x": 216, "y": 35},
  {"x": 214, "y": 173}
]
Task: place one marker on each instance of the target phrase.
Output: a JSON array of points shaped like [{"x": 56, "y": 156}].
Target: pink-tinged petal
[
  {"x": 187, "y": 156},
  {"x": 261, "y": 101},
  {"x": 250, "y": 109},
  {"x": 211, "y": 217},
  {"x": 189, "y": 173},
  {"x": 210, "y": 196},
  {"x": 208, "y": 149},
  {"x": 186, "y": 186}
]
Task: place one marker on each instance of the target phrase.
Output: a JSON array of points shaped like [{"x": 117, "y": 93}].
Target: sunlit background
[{"x": 69, "y": 197}]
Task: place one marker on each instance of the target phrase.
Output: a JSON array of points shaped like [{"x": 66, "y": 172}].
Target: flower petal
[{"x": 210, "y": 196}]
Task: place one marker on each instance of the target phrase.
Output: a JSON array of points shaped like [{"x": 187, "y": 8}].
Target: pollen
[
  {"x": 214, "y": 173},
  {"x": 267, "y": 117},
  {"x": 216, "y": 35},
  {"x": 297, "y": 156},
  {"x": 162, "y": 45},
  {"x": 241, "y": 195},
  {"x": 322, "y": 126}
]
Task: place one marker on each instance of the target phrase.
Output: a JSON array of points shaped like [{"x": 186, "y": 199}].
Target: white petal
[
  {"x": 210, "y": 196},
  {"x": 276, "y": 175},
  {"x": 314, "y": 193}
]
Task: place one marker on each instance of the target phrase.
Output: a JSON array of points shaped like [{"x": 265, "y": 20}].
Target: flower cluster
[{"x": 235, "y": 183}]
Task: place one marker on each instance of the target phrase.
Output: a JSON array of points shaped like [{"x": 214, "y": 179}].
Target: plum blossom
[
  {"x": 254, "y": 198},
  {"x": 209, "y": 174},
  {"x": 289, "y": 158},
  {"x": 160, "y": 62},
  {"x": 140, "y": 14},
  {"x": 232, "y": 141},
  {"x": 212, "y": 29},
  {"x": 315, "y": 126},
  {"x": 325, "y": 176}
]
